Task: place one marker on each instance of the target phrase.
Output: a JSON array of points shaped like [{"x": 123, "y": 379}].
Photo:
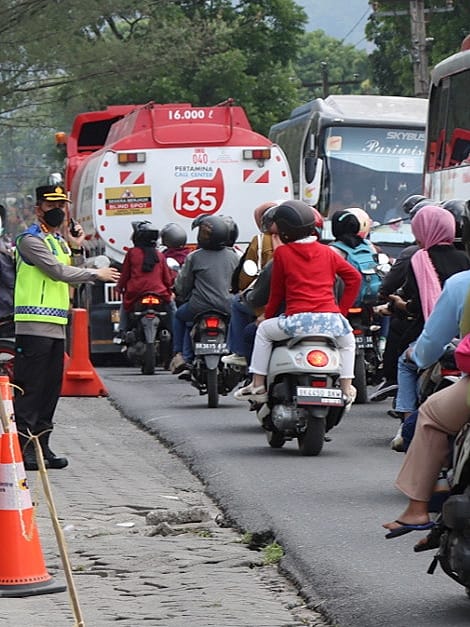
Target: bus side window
[
  {"x": 459, "y": 147},
  {"x": 437, "y": 152}
]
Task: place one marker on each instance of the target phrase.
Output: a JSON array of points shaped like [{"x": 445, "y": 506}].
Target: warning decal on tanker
[
  {"x": 130, "y": 200},
  {"x": 255, "y": 176},
  {"x": 200, "y": 196}
]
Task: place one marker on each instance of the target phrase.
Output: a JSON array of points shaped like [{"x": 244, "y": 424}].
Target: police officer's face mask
[{"x": 54, "y": 217}]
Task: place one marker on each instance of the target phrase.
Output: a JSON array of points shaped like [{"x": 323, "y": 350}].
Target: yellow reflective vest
[{"x": 38, "y": 298}]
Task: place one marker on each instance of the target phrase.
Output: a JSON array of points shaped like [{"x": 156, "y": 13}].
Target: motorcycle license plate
[
  {"x": 364, "y": 341},
  {"x": 208, "y": 348},
  {"x": 319, "y": 396}
]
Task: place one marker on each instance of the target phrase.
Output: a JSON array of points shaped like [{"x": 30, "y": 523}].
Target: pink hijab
[{"x": 431, "y": 226}]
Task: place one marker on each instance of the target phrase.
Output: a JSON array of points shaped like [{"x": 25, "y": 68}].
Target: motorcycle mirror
[
  {"x": 250, "y": 267},
  {"x": 172, "y": 264}
]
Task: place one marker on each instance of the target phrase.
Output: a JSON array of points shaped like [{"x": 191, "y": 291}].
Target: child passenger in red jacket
[{"x": 303, "y": 279}]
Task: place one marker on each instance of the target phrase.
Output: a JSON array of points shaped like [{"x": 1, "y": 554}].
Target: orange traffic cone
[
  {"x": 22, "y": 569},
  {"x": 6, "y": 395},
  {"x": 80, "y": 378}
]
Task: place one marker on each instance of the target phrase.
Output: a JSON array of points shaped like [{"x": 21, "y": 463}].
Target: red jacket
[
  {"x": 134, "y": 282},
  {"x": 303, "y": 277}
]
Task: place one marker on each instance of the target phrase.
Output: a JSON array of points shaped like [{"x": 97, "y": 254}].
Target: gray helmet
[{"x": 173, "y": 235}]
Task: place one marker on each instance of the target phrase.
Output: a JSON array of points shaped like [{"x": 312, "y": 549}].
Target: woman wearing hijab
[{"x": 436, "y": 260}]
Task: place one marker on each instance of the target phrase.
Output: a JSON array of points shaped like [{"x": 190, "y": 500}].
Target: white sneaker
[
  {"x": 234, "y": 360},
  {"x": 397, "y": 444},
  {"x": 350, "y": 398}
]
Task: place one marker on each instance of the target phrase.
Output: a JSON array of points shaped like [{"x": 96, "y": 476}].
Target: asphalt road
[{"x": 325, "y": 511}]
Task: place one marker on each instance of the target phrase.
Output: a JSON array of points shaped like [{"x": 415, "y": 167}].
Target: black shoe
[
  {"x": 29, "y": 459},
  {"x": 384, "y": 390},
  {"x": 49, "y": 456}
]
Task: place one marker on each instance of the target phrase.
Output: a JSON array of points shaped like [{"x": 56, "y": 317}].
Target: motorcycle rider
[
  {"x": 259, "y": 250},
  {"x": 203, "y": 282},
  {"x": 144, "y": 270},
  {"x": 442, "y": 415},
  {"x": 437, "y": 259},
  {"x": 173, "y": 238},
  {"x": 303, "y": 277}
]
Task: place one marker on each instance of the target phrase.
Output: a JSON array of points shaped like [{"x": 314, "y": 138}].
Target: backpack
[{"x": 365, "y": 260}]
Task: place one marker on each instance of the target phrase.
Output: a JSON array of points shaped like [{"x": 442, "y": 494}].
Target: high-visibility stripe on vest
[{"x": 38, "y": 298}]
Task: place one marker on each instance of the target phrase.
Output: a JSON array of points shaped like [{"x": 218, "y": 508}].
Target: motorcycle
[
  {"x": 208, "y": 374},
  {"x": 369, "y": 350},
  {"x": 7, "y": 346},
  {"x": 304, "y": 400},
  {"x": 451, "y": 534},
  {"x": 149, "y": 341}
]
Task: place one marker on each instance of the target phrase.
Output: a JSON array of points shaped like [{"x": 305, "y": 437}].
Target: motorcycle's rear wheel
[
  {"x": 312, "y": 439},
  {"x": 148, "y": 363},
  {"x": 360, "y": 377},
  {"x": 212, "y": 388}
]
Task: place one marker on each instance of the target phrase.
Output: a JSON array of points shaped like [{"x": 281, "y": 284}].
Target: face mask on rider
[{"x": 54, "y": 217}]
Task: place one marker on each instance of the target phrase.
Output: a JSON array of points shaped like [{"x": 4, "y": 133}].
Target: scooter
[
  {"x": 452, "y": 531},
  {"x": 149, "y": 340},
  {"x": 7, "y": 346},
  {"x": 304, "y": 398},
  {"x": 368, "y": 361},
  {"x": 208, "y": 374}
]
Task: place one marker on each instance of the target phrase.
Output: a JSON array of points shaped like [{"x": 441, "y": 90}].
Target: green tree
[
  {"x": 391, "y": 61},
  {"x": 342, "y": 65}
]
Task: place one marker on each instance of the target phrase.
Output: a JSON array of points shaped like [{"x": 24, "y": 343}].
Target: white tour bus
[{"x": 361, "y": 151}]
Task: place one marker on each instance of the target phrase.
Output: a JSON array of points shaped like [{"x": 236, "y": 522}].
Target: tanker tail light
[
  {"x": 131, "y": 157},
  {"x": 259, "y": 154}
]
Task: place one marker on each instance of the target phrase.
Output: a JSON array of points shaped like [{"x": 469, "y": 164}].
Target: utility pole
[
  {"x": 419, "y": 52},
  {"x": 419, "y": 41}
]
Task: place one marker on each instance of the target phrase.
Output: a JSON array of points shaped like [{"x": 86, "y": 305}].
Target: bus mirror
[{"x": 310, "y": 168}]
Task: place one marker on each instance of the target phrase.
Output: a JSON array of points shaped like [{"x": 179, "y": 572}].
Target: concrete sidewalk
[{"x": 146, "y": 545}]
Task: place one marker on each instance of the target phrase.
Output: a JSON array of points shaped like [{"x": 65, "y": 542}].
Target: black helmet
[
  {"x": 294, "y": 220},
  {"x": 457, "y": 208},
  {"x": 411, "y": 201},
  {"x": 173, "y": 235},
  {"x": 267, "y": 219},
  {"x": 466, "y": 227},
  {"x": 144, "y": 233},
  {"x": 232, "y": 229},
  {"x": 213, "y": 234},
  {"x": 344, "y": 223}
]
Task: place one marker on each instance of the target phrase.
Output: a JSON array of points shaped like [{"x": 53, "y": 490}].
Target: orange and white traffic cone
[
  {"x": 80, "y": 378},
  {"x": 22, "y": 569},
  {"x": 6, "y": 395}
]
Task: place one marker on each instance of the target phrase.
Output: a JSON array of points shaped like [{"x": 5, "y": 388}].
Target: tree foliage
[{"x": 392, "y": 60}]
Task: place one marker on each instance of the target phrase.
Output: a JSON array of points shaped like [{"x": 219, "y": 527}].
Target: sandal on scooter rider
[{"x": 250, "y": 393}]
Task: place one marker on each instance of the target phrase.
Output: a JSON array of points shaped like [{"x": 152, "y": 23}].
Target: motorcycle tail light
[
  {"x": 150, "y": 300},
  {"x": 212, "y": 323},
  {"x": 355, "y": 310},
  {"x": 319, "y": 383},
  {"x": 357, "y": 332},
  {"x": 317, "y": 358}
]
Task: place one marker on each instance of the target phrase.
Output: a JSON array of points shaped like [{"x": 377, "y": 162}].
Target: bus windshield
[
  {"x": 372, "y": 168},
  {"x": 375, "y": 169}
]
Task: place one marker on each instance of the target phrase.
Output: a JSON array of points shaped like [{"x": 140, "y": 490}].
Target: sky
[{"x": 342, "y": 19}]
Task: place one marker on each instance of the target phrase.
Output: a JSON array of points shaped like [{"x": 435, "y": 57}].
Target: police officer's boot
[
  {"x": 29, "y": 454},
  {"x": 51, "y": 458}
]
